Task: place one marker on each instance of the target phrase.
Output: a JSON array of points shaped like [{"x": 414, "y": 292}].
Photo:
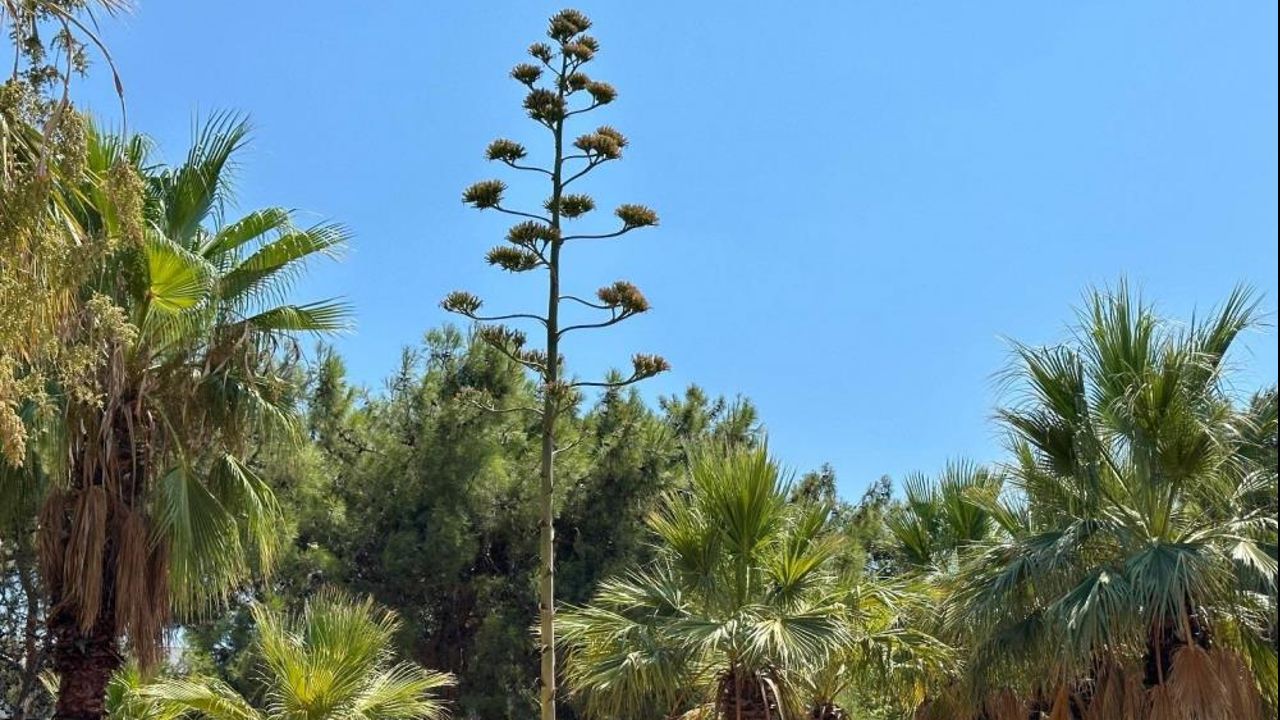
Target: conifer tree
[{"x": 559, "y": 92}]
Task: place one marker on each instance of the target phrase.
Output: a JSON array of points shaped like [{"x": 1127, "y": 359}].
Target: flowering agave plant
[{"x": 559, "y": 92}]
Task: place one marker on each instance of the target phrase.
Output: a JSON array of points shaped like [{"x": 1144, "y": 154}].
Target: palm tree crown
[
  {"x": 1134, "y": 574},
  {"x": 149, "y": 506},
  {"x": 741, "y": 596},
  {"x": 332, "y": 661}
]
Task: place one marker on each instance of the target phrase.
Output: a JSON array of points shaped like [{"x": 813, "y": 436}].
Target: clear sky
[{"x": 859, "y": 199}]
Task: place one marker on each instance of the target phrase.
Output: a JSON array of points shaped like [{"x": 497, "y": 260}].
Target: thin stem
[
  {"x": 635, "y": 378},
  {"x": 518, "y": 213},
  {"x": 591, "y": 326},
  {"x": 498, "y": 410},
  {"x": 591, "y": 165},
  {"x": 106, "y": 54},
  {"x": 512, "y": 316},
  {"x": 536, "y": 367},
  {"x": 588, "y": 303},
  {"x": 625, "y": 229},
  {"x": 546, "y": 499},
  {"x": 530, "y": 168},
  {"x": 569, "y": 447},
  {"x": 579, "y": 111}
]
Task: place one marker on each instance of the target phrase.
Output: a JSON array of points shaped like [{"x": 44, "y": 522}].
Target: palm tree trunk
[
  {"x": 32, "y": 649},
  {"x": 743, "y": 696},
  {"x": 84, "y": 662}
]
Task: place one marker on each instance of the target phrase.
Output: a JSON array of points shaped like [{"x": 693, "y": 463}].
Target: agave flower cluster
[{"x": 559, "y": 91}]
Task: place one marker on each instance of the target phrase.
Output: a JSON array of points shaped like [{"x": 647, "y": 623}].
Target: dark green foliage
[{"x": 425, "y": 500}]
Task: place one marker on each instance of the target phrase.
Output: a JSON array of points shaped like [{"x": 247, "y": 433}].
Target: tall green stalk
[{"x": 536, "y": 243}]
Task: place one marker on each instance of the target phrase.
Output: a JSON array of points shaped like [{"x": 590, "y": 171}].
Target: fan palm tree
[
  {"x": 1135, "y": 573},
  {"x": 332, "y": 661},
  {"x": 891, "y": 659},
  {"x": 938, "y": 517},
  {"x": 740, "y": 599},
  {"x": 149, "y": 506}
]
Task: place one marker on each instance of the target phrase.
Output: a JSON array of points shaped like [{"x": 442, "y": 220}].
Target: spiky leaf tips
[
  {"x": 559, "y": 90},
  {"x": 601, "y": 145},
  {"x": 646, "y": 366},
  {"x": 544, "y": 106},
  {"x": 484, "y": 194},
  {"x": 602, "y": 93},
  {"x": 513, "y": 259},
  {"x": 623, "y": 296},
  {"x": 505, "y": 150},
  {"x": 572, "y": 207},
  {"x": 532, "y": 234},
  {"x": 636, "y": 216},
  {"x": 462, "y": 303},
  {"x": 541, "y": 51},
  {"x": 581, "y": 51},
  {"x": 526, "y": 74},
  {"x": 567, "y": 23},
  {"x": 502, "y": 337}
]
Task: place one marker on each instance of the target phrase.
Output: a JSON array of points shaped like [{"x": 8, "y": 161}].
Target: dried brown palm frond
[
  {"x": 1006, "y": 705},
  {"x": 1240, "y": 691},
  {"x": 1117, "y": 695},
  {"x": 1162, "y": 705},
  {"x": 140, "y": 575}
]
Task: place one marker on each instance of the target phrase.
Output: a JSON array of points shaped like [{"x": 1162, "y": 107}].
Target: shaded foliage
[{"x": 424, "y": 500}]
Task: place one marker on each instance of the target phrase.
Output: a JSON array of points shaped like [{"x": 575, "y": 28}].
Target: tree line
[{"x": 198, "y": 518}]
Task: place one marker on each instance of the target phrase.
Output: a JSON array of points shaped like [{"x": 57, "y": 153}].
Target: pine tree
[{"x": 558, "y": 91}]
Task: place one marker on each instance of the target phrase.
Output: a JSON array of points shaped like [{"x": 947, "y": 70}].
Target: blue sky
[{"x": 859, "y": 200}]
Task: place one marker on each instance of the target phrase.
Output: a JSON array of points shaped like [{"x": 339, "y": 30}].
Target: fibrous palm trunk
[
  {"x": 86, "y": 535},
  {"x": 746, "y": 696},
  {"x": 84, "y": 662}
]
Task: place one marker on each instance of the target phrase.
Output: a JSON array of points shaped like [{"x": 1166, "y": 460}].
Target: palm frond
[{"x": 197, "y": 189}]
